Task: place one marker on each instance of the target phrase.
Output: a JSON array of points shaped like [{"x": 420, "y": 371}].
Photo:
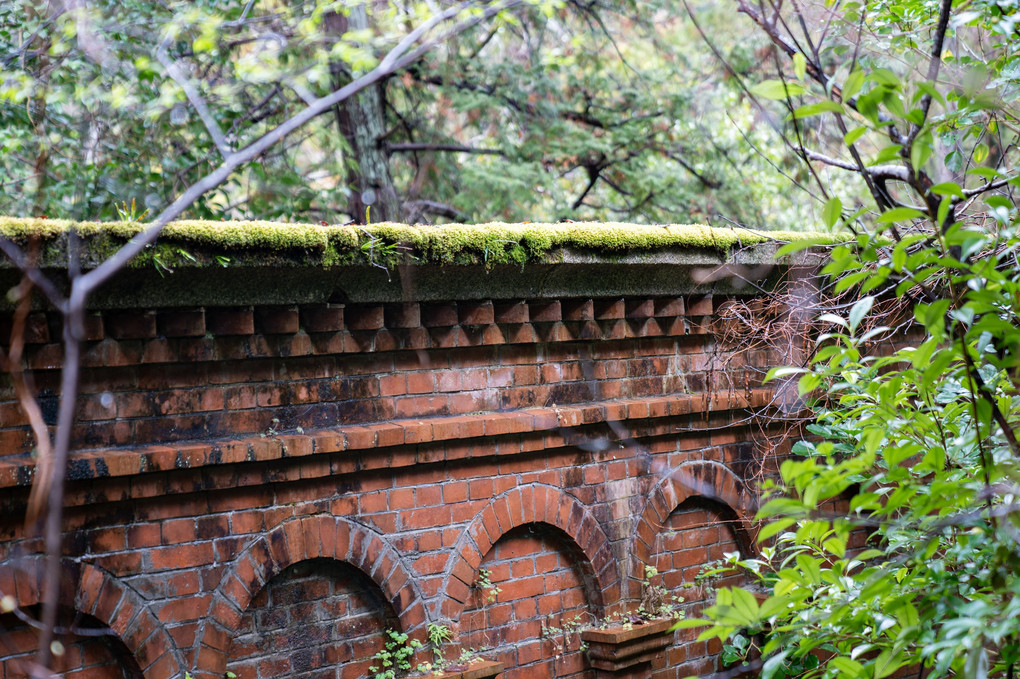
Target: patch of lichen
[{"x": 204, "y": 243}]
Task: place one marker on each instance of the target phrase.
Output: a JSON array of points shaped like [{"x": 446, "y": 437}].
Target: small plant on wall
[
  {"x": 395, "y": 657},
  {"x": 656, "y": 600},
  {"x": 438, "y": 636},
  {"x": 486, "y": 585}
]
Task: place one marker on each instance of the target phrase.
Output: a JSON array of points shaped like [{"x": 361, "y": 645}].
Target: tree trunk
[{"x": 361, "y": 120}]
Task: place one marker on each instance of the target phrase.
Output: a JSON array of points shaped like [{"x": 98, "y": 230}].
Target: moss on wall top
[{"x": 211, "y": 243}]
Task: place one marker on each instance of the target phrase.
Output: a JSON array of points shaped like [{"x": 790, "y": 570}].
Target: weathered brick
[
  {"x": 130, "y": 325},
  {"x": 276, "y": 320},
  {"x": 181, "y": 323},
  {"x": 224, "y": 321}
]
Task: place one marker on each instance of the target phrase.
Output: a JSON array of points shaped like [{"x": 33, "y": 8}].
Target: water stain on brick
[{"x": 569, "y": 392}]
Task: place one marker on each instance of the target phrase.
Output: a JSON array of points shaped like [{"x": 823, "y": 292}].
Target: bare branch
[
  {"x": 181, "y": 78},
  {"x": 27, "y": 267},
  {"x": 398, "y": 58},
  {"x": 990, "y": 186},
  {"x": 23, "y": 390},
  {"x": 880, "y": 171},
  {"x": 936, "y": 60},
  {"x": 82, "y": 286},
  {"x": 593, "y": 177}
]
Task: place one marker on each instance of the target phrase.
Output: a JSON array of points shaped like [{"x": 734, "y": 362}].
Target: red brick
[
  {"x": 699, "y": 305},
  {"x": 407, "y": 315},
  {"x": 439, "y": 315},
  {"x": 578, "y": 310},
  {"x": 512, "y": 312},
  {"x": 276, "y": 320},
  {"x": 669, "y": 306},
  {"x": 364, "y": 316},
  {"x": 609, "y": 309},
  {"x": 324, "y": 318},
  {"x": 479, "y": 313},
  {"x": 420, "y": 383},
  {"x": 223, "y": 321},
  {"x": 545, "y": 311},
  {"x": 181, "y": 556},
  {"x": 36, "y": 329},
  {"x": 181, "y": 323},
  {"x": 130, "y": 325}
]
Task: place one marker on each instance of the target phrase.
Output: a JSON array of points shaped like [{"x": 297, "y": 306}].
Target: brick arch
[
  {"x": 296, "y": 540},
  {"x": 707, "y": 479},
  {"x": 101, "y": 595},
  {"x": 534, "y": 503}
]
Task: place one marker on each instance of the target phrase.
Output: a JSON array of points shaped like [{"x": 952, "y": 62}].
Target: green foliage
[
  {"x": 585, "y": 111},
  {"x": 914, "y": 450},
  {"x": 395, "y": 657},
  {"x": 485, "y": 584},
  {"x": 920, "y": 447},
  {"x": 438, "y": 635}
]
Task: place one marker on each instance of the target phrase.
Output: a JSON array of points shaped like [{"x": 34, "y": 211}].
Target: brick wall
[{"x": 267, "y": 489}]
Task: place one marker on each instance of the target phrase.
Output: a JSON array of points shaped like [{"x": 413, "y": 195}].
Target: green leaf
[
  {"x": 800, "y": 245},
  {"x": 746, "y": 604},
  {"x": 887, "y": 154},
  {"x": 884, "y": 76},
  {"x": 799, "y": 66},
  {"x": 777, "y": 89},
  {"x": 920, "y": 151},
  {"x": 899, "y": 214},
  {"x": 809, "y": 567},
  {"x": 847, "y": 667},
  {"x": 832, "y": 211},
  {"x": 852, "y": 84},
  {"x": 833, "y": 318},
  {"x": 783, "y": 371},
  {"x": 853, "y": 135},
  {"x": 977, "y": 663},
  {"x": 980, "y": 153},
  {"x": 809, "y": 110},
  {"x": 836, "y": 546},
  {"x": 947, "y": 189},
  {"x": 773, "y": 665},
  {"x": 773, "y": 528},
  {"x": 859, "y": 310}
]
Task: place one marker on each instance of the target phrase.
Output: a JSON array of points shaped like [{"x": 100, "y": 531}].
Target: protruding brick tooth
[{"x": 224, "y": 321}]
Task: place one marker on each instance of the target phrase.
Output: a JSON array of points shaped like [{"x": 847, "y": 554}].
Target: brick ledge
[{"x": 87, "y": 465}]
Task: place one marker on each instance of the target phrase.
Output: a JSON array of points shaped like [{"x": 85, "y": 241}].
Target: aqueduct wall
[{"x": 276, "y": 465}]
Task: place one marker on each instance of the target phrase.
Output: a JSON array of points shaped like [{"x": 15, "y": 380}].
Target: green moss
[{"x": 205, "y": 243}]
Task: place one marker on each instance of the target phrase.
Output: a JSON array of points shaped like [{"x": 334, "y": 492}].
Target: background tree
[{"x": 568, "y": 110}]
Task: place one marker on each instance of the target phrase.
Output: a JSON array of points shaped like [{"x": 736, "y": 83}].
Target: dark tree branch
[
  {"x": 449, "y": 148},
  {"x": 419, "y": 207},
  {"x": 593, "y": 177},
  {"x": 27, "y": 267},
  {"x": 672, "y": 155}
]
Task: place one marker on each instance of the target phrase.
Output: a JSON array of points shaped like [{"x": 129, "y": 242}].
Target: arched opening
[
  {"x": 80, "y": 655},
  {"x": 319, "y": 617},
  {"x": 695, "y": 537},
  {"x": 534, "y": 587}
]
